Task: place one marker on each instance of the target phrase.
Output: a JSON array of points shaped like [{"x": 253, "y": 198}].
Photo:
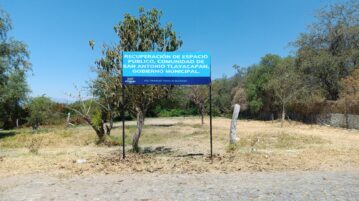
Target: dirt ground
[
  {"x": 263, "y": 146},
  {"x": 180, "y": 146}
]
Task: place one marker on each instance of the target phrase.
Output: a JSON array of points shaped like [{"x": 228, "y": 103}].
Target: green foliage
[
  {"x": 13, "y": 67},
  {"x": 323, "y": 68},
  {"x": 330, "y": 51},
  {"x": 286, "y": 84},
  {"x": 107, "y": 86},
  {"x": 199, "y": 96},
  {"x": 171, "y": 113},
  {"x": 145, "y": 33},
  {"x": 41, "y": 112},
  {"x": 221, "y": 95},
  {"x": 259, "y": 98},
  {"x": 96, "y": 118}
]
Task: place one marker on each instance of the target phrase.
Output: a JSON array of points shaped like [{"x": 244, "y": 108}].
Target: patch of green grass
[
  {"x": 199, "y": 126},
  {"x": 232, "y": 147},
  {"x": 16, "y": 141},
  {"x": 116, "y": 140}
]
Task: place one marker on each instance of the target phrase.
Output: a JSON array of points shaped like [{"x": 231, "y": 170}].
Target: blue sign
[{"x": 173, "y": 68}]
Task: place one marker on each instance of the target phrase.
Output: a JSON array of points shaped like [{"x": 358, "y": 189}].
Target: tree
[
  {"x": 199, "y": 96},
  {"x": 330, "y": 50},
  {"x": 142, "y": 33},
  {"x": 239, "y": 97},
  {"x": 238, "y": 92},
  {"x": 258, "y": 96},
  {"x": 286, "y": 84},
  {"x": 221, "y": 95},
  {"x": 13, "y": 67},
  {"x": 107, "y": 86},
  {"x": 40, "y": 109},
  {"x": 174, "y": 104},
  {"x": 349, "y": 94},
  {"x": 145, "y": 33},
  {"x": 89, "y": 110}
]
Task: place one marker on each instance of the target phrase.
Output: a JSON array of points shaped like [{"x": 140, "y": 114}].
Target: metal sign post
[
  {"x": 123, "y": 122},
  {"x": 210, "y": 119},
  {"x": 165, "y": 68}
]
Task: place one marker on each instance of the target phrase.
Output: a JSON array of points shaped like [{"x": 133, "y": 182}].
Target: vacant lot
[
  {"x": 56, "y": 163},
  {"x": 166, "y": 143}
]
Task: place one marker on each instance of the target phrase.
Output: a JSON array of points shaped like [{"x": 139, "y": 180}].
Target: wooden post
[
  {"x": 233, "y": 129},
  {"x": 68, "y": 119}
]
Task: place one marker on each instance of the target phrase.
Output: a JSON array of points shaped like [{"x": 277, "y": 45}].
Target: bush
[
  {"x": 34, "y": 145},
  {"x": 40, "y": 111},
  {"x": 171, "y": 113}
]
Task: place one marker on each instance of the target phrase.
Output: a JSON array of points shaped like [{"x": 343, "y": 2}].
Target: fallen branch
[{"x": 188, "y": 155}]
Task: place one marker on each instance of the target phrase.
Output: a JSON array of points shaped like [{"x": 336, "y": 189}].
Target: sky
[{"x": 232, "y": 31}]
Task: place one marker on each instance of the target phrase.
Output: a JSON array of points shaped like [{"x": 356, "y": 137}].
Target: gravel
[{"x": 306, "y": 185}]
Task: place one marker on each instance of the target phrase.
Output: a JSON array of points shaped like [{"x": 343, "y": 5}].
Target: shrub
[
  {"x": 40, "y": 111},
  {"x": 171, "y": 113},
  {"x": 34, "y": 144}
]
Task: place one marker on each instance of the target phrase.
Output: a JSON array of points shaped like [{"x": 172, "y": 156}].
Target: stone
[{"x": 80, "y": 161}]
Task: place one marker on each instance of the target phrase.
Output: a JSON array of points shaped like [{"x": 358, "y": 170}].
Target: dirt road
[{"x": 308, "y": 185}]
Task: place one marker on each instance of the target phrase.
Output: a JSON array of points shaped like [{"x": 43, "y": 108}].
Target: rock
[{"x": 80, "y": 161}]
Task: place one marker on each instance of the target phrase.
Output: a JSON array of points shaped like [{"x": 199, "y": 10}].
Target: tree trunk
[
  {"x": 136, "y": 137},
  {"x": 100, "y": 134},
  {"x": 107, "y": 128},
  {"x": 35, "y": 126},
  {"x": 100, "y": 131},
  {"x": 283, "y": 115},
  {"x": 111, "y": 122},
  {"x": 202, "y": 111}
]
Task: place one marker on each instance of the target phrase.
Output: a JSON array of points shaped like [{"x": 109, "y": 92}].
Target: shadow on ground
[{"x": 5, "y": 134}]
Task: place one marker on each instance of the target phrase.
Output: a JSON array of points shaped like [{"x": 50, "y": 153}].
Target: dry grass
[
  {"x": 263, "y": 146},
  {"x": 51, "y": 137},
  {"x": 280, "y": 140}
]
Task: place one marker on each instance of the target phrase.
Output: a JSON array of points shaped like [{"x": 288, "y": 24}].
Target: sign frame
[
  {"x": 166, "y": 68},
  {"x": 191, "y": 82}
]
